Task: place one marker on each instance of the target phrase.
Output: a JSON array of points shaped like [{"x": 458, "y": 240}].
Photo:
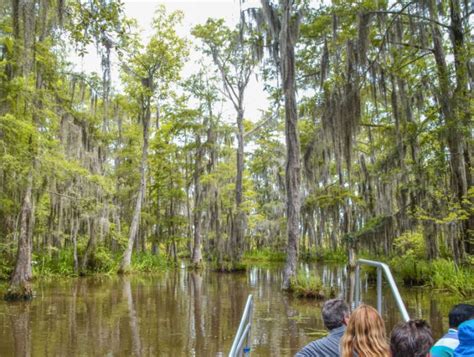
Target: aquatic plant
[
  {"x": 310, "y": 286},
  {"x": 264, "y": 255},
  {"x": 447, "y": 275},
  {"x": 412, "y": 271},
  {"x": 147, "y": 262}
]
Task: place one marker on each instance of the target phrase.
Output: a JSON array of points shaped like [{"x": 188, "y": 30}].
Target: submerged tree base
[
  {"x": 124, "y": 271},
  {"x": 19, "y": 293},
  {"x": 196, "y": 266}
]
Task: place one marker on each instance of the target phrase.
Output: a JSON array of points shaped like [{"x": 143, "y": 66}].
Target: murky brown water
[{"x": 180, "y": 313}]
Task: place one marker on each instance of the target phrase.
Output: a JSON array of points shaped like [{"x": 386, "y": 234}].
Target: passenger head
[
  {"x": 411, "y": 339},
  {"x": 365, "y": 334},
  {"x": 459, "y": 314},
  {"x": 335, "y": 313}
]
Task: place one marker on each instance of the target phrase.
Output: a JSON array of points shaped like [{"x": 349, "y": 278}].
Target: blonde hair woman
[{"x": 365, "y": 334}]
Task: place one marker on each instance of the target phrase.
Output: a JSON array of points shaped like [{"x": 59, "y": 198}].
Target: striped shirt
[
  {"x": 324, "y": 347},
  {"x": 446, "y": 345}
]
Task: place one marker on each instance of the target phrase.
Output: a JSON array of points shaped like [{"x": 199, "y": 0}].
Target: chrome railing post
[
  {"x": 246, "y": 349},
  {"x": 379, "y": 290},
  {"x": 381, "y": 267},
  {"x": 243, "y": 332},
  {"x": 357, "y": 286}
]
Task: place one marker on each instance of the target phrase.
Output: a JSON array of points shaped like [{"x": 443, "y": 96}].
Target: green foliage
[
  {"x": 102, "y": 261},
  {"x": 264, "y": 255},
  {"x": 7, "y": 259},
  {"x": 410, "y": 244},
  {"x": 371, "y": 227},
  {"x": 448, "y": 276},
  {"x": 330, "y": 196},
  {"x": 310, "y": 286},
  {"x": 60, "y": 262},
  {"x": 149, "y": 263},
  {"x": 95, "y": 21},
  {"x": 80, "y": 139},
  {"x": 56, "y": 262},
  {"x": 440, "y": 274},
  {"x": 411, "y": 270},
  {"x": 227, "y": 266}
]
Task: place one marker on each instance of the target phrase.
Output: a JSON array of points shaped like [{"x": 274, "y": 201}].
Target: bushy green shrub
[
  {"x": 61, "y": 262},
  {"x": 448, "y": 276},
  {"x": 324, "y": 255},
  {"x": 412, "y": 271},
  {"x": 440, "y": 274},
  {"x": 53, "y": 262},
  {"x": 7, "y": 259},
  {"x": 147, "y": 262},
  {"x": 410, "y": 244},
  {"x": 338, "y": 255},
  {"x": 310, "y": 286},
  {"x": 6, "y": 268},
  {"x": 264, "y": 255},
  {"x": 102, "y": 261}
]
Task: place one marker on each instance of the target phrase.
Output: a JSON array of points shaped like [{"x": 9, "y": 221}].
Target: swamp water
[{"x": 183, "y": 313}]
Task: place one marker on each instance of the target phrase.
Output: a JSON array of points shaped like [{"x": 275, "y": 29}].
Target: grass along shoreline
[{"x": 440, "y": 274}]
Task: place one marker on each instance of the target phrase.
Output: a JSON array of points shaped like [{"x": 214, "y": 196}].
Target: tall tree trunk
[
  {"x": 452, "y": 113},
  {"x": 127, "y": 257},
  {"x": 19, "y": 288},
  {"x": 214, "y": 243},
  {"x": 75, "y": 231},
  {"x": 293, "y": 176},
  {"x": 239, "y": 221},
  {"x": 91, "y": 222},
  {"x": 463, "y": 119},
  {"x": 197, "y": 255},
  {"x": 24, "y": 31}
]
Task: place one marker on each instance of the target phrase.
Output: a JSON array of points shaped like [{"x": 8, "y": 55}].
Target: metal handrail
[
  {"x": 391, "y": 282},
  {"x": 243, "y": 333}
]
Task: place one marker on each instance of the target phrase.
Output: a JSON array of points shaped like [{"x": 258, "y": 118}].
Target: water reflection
[
  {"x": 183, "y": 313},
  {"x": 20, "y": 320},
  {"x": 132, "y": 316}
]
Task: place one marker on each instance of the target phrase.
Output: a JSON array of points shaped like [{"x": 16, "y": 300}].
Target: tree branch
[
  {"x": 413, "y": 60},
  {"x": 420, "y": 17},
  {"x": 260, "y": 125},
  {"x": 405, "y": 44},
  {"x": 384, "y": 39}
]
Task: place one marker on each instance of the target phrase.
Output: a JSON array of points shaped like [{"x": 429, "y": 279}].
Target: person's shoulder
[
  {"x": 310, "y": 350},
  {"x": 337, "y": 332},
  {"x": 445, "y": 346},
  {"x": 322, "y": 347},
  {"x": 441, "y": 351}
]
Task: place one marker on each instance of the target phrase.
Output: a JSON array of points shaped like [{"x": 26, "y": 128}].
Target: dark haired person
[
  {"x": 335, "y": 314},
  {"x": 411, "y": 339},
  {"x": 447, "y": 344}
]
